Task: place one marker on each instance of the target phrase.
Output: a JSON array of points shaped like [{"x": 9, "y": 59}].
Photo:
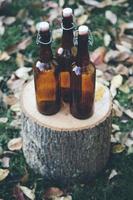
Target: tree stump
[{"x": 61, "y": 146}]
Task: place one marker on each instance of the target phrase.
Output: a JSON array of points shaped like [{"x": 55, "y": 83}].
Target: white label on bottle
[{"x": 77, "y": 70}]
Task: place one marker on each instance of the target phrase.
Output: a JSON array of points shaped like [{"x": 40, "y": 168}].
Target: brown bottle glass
[
  {"x": 65, "y": 57},
  {"x": 82, "y": 81},
  {"x": 46, "y": 78}
]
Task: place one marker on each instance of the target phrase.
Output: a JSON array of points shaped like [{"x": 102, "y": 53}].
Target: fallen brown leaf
[
  {"x": 107, "y": 39},
  {"x": 122, "y": 56},
  {"x": 3, "y": 174},
  {"x": 10, "y": 100},
  {"x": 82, "y": 19},
  {"x": 20, "y": 46},
  {"x": 118, "y": 148},
  {"x": 28, "y": 192},
  {"x": 122, "y": 48},
  {"x": 128, "y": 112},
  {"x": 18, "y": 194},
  {"x": 125, "y": 26},
  {"x": 111, "y": 55},
  {"x": 121, "y": 69},
  {"x": 3, "y": 120},
  {"x": 124, "y": 88},
  {"x": 110, "y": 16},
  {"x": 5, "y": 162},
  {"x": 22, "y": 72},
  {"x": 2, "y": 28},
  {"x": 98, "y": 55},
  {"x": 117, "y": 81},
  {"x": 112, "y": 174},
  {"x": 9, "y": 20},
  {"x": 20, "y": 60},
  {"x": 15, "y": 144},
  {"x": 53, "y": 192},
  {"x": 103, "y": 4},
  {"x": 4, "y": 56}
]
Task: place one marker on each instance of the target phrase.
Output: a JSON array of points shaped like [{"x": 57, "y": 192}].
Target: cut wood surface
[{"x": 61, "y": 146}]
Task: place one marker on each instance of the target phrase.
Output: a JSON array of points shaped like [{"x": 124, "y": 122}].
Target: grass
[{"x": 119, "y": 187}]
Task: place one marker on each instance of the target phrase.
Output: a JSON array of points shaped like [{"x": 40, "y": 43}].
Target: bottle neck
[
  {"x": 67, "y": 38},
  {"x": 83, "y": 55},
  {"x": 45, "y": 54}
]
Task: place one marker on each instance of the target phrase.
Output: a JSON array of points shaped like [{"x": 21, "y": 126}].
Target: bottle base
[
  {"x": 81, "y": 115},
  {"x": 48, "y": 108}
]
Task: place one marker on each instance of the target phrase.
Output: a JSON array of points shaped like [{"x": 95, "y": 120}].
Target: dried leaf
[
  {"x": 68, "y": 197},
  {"x": 79, "y": 11},
  {"x": 121, "y": 69},
  {"x": 98, "y": 55},
  {"x": 103, "y": 4},
  {"x": 130, "y": 60},
  {"x": 81, "y": 20},
  {"x": 130, "y": 150},
  {"x": 125, "y": 26},
  {"x": 96, "y": 3},
  {"x": 3, "y": 174},
  {"x": 129, "y": 142},
  {"x": 122, "y": 56},
  {"x": 118, "y": 148},
  {"x": 18, "y": 194},
  {"x": 111, "y": 55},
  {"x": 116, "y": 81},
  {"x": 16, "y": 107},
  {"x": 2, "y": 29},
  {"x": 5, "y": 162},
  {"x": 15, "y": 84},
  {"x": 112, "y": 174},
  {"x": 129, "y": 113},
  {"x": 131, "y": 134},
  {"x": 20, "y": 60},
  {"x": 10, "y": 100},
  {"x": 122, "y": 48},
  {"x": 124, "y": 88},
  {"x": 115, "y": 127},
  {"x": 4, "y": 56},
  {"x": 61, "y": 3},
  {"x": 107, "y": 39},
  {"x": 52, "y": 193},
  {"x": 3, "y": 120},
  {"x": 28, "y": 192},
  {"x": 111, "y": 16},
  {"x": 26, "y": 42},
  {"x": 23, "y": 72},
  {"x": 9, "y": 20},
  {"x": 15, "y": 144},
  {"x": 16, "y": 123},
  {"x": 57, "y": 33},
  {"x": 21, "y": 46},
  {"x": 117, "y": 111}
]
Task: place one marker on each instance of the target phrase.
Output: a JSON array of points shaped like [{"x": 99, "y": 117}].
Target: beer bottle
[
  {"x": 65, "y": 54},
  {"x": 45, "y": 75},
  {"x": 82, "y": 79}
]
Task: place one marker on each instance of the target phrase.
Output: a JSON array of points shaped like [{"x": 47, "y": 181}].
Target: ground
[{"x": 18, "y": 50}]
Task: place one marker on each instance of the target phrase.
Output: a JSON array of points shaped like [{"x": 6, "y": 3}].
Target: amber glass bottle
[
  {"x": 82, "y": 79},
  {"x": 65, "y": 54},
  {"x": 45, "y": 75}
]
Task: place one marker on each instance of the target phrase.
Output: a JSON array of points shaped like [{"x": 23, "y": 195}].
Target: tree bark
[{"x": 61, "y": 147}]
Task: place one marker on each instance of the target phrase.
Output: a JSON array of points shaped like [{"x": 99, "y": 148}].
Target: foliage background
[{"x": 18, "y": 52}]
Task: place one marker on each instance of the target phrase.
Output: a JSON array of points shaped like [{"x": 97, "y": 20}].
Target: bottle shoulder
[
  {"x": 42, "y": 66},
  {"x": 81, "y": 69}
]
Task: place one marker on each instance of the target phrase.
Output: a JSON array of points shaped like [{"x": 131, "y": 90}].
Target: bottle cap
[
  {"x": 42, "y": 26},
  {"x": 83, "y": 30},
  {"x": 67, "y": 12}
]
